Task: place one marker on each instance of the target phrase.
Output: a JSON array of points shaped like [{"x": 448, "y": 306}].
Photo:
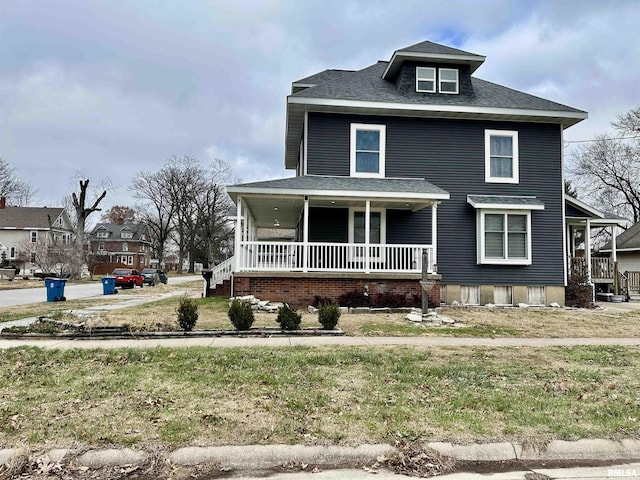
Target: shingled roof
[
  {"x": 373, "y": 90},
  {"x": 36, "y": 218},
  {"x": 114, "y": 230}
]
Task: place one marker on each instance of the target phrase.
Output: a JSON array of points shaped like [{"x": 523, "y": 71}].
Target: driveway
[{"x": 25, "y": 296}]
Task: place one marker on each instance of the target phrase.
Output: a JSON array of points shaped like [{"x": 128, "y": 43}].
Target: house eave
[
  {"x": 235, "y": 191},
  {"x": 474, "y": 61},
  {"x": 298, "y": 106}
]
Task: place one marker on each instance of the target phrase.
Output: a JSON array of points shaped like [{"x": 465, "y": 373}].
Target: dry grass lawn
[{"x": 323, "y": 395}]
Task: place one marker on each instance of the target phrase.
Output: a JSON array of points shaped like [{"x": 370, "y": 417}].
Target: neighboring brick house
[
  {"x": 411, "y": 165},
  {"x": 112, "y": 245},
  {"x": 22, "y": 226}
]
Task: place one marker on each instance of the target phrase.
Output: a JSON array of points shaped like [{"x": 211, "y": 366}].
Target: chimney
[{"x": 3, "y": 202}]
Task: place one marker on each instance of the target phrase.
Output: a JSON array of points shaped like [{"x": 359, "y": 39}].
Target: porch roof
[
  {"x": 280, "y": 202},
  {"x": 577, "y": 212},
  {"x": 343, "y": 187}
]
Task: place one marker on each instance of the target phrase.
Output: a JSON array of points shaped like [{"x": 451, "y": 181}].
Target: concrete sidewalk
[{"x": 319, "y": 341}]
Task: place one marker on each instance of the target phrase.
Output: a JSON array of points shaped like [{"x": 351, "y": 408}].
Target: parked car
[
  {"x": 128, "y": 278},
  {"x": 153, "y": 276}
]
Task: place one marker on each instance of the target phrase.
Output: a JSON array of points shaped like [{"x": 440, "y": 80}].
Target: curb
[{"x": 262, "y": 457}]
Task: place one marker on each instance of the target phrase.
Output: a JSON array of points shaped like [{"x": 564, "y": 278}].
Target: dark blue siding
[
  {"x": 450, "y": 154},
  {"x": 328, "y": 224}
]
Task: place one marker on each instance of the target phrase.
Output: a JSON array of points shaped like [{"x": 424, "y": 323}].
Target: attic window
[
  {"x": 448, "y": 80},
  {"x": 426, "y": 79},
  {"x": 126, "y": 235},
  {"x": 102, "y": 234}
]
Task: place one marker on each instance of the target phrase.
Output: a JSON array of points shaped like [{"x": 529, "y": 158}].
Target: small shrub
[
  {"x": 187, "y": 313},
  {"x": 391, "y": 300},
  {"x": 318, "y": 301},
  {"x": 288, "y": 318},
  {"x": 241, "y": 315},
  {"x": 355, "y": 298},
  {"x": 328, "y": 316},
  {"x": 578, "y": 292}
]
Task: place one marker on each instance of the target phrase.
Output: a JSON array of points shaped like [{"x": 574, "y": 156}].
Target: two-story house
[
  {"x": 112, "y": 245},
  {"x": 407, "y": 161},
  {"x": 22, "y": 228}
]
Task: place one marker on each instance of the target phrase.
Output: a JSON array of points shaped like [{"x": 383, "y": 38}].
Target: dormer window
[
  {"x": 102, "y": 234},
  {"x": 448, "y": 80},
  {"x": 126, "y": 234},
  {"x": 426, "y": 79}
]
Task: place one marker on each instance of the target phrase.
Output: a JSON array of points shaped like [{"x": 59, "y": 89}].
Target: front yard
[
  {"x": 324, "y": 395},
  {"x": 476, "y": 321}
]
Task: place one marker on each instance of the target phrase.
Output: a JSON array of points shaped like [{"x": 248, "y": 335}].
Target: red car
[{"x": 128, "y": 278}]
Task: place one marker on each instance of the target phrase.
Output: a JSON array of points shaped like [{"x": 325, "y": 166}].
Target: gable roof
[
  {"x": 114, "y": 230},
  {"x": 628, "y": 240},
  {"x": 37, "y": 218}
]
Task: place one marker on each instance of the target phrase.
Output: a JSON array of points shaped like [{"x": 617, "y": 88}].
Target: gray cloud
[{"x": 114, "y": 88}]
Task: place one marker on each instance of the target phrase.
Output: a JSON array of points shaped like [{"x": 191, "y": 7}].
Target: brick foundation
[{"x": 299, "y": 290}]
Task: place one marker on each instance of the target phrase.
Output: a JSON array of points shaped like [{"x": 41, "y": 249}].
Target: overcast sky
[{"x": 116, "y": 87}]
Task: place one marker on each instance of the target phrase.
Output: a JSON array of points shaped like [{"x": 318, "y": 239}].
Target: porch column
[
  {"x": 587, "y": 248},
  {"x": 305, "y": 236},
  {"x": 434, "y": 239},
  {"x": 614, "y": 233},
  {"x": 238, "y": 237},
  {"x": 367, "y": 239}
]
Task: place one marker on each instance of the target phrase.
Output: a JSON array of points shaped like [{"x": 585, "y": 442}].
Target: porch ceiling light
[
  {"x": 276, "y": 223},
  {"x": 275, "y": 208}
]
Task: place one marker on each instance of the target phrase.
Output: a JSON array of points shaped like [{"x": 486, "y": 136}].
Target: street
[{"x": 25, "y": 296}]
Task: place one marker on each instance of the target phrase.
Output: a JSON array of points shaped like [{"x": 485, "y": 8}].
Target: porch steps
[
  {"x": 221, "y": 290},
  {"x": 634, "y": 297}
]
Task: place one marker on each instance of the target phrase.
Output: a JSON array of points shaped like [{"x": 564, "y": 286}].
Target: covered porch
[
  {"x": 339, "y": 225},
  {"x": 602, "y": 271}
]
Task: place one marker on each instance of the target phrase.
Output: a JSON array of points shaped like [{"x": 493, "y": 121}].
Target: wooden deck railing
[{"x": 602, "y": 269}]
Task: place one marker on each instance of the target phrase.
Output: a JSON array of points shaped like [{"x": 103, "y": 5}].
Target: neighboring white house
[{"x": 20, "y": 226}]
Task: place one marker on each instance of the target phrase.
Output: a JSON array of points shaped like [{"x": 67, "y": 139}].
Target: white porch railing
[
  {"x": 332, "y": 257},
  {"x": 222, "y": 272}
]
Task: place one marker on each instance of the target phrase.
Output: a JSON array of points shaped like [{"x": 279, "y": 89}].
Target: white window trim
[
  {"x": 456, "y": 81},
  {"x": 482, "y": 259},
  {"x": 383, "y": 223},
  {"x": 12, "y": 252},
  {"x": 487, "y": 156},
  {"x": 33, "y": 238},
  {"x": 418, "y": 77},
  {"x": 382, "y": 129}
]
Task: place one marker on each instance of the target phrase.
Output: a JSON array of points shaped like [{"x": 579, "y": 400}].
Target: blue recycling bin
[
  {"x": 109, "y": 285},
  {"x": 55, "y": 289}
]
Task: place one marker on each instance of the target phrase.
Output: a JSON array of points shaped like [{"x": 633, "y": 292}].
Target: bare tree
[
  {"x": 213, "y": 208},
  {"x": 81, "y": 210},
  {"x": 120, "y": 214},
  {"x": 157, "y": 209},
  {"x": 184, "y": 177},
  {"x": 12, "y": 187},
  {"x": 607, "y": 170},
  {"x": 53, "y": 256}
]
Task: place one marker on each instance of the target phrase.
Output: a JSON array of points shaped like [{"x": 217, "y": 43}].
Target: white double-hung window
[
  {"x": 426, "y": 79},
  {"x": 501, "y": 156},
  {"x": 504, "y": 228},
  {"x": 505, "y": 237},
  {"x": 367, "y": 156}
]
